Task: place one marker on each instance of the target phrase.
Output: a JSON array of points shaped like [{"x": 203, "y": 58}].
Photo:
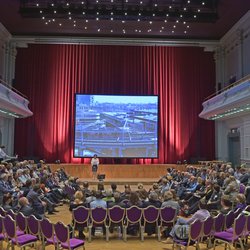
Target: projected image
[{"x": 116, "y": 126}]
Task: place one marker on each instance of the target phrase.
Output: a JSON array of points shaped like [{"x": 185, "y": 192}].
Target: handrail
[
  {"x": 12, "y": 88},
  {"x": 228, "y": 87}
]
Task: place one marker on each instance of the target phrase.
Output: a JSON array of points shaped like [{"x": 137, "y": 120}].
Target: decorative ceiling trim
[{"x": 21, "y": 40}]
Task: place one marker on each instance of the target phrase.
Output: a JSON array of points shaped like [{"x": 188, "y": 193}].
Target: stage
[{"x": 122, "y": 172}]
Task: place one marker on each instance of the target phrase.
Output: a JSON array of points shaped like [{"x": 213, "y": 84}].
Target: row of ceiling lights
[{"x": 172, "y": 29}]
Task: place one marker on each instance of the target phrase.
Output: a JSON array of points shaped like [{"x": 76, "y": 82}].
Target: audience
[{"x": 34, "y": 189}]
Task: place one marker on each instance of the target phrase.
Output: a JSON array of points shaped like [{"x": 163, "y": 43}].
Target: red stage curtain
[{"x": 50, "y": 75}]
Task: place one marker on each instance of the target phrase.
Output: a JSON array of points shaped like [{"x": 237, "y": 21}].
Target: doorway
[{"x": 234, "y": 148}]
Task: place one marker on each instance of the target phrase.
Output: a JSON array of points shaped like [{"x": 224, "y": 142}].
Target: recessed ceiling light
[
  {"x": 60, "y": 24},
  {"x": 41, "y": 11},
  {"x": 172, "y": 31},
  {"x": 150, "y": 22},
  {"x": 123, "y": 21},
  {"x": 111, "y": 18},
  {"x": 69, "y": 13},
  {"x": 37, "y": 5},
  {"x": 86, "y": 20},
  {"x": 138, "y": 20},
  {"x": 99, "y": 30},
  {"x": 85, "y": 27},
  {"x": 111, "y": 31},
  {"x": 54, "y": 12},
  {"x": 97, "y": 19}
]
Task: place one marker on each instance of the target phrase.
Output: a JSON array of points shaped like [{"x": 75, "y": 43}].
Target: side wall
[
  {"x": 233, "y": 63},
  {"x": 7, "y": 66}
]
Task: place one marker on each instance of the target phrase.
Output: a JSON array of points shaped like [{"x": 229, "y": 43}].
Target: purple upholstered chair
[
  {"x": 219, "y": 222},
  {"x": 2, "y": 235},
  {"x": 21, "y": 222},
  {"x": 133, "y": 217},
  {"x": 229, "y": 220},
  {"x": 48, "y": 234},
  {"x": 231, "y": 237},
  {"x": 34, "y": 226},
  {"x": 167, "y": 217},
  {"x": 62, "y": 235},
  {"x": 208, "y": 225},
  {"x": 247, "y": 228},
  {"x": 195, "y": 233},
  {"x": 151, "y": 215},
  {"x": 15, "y": 240},
  {"x": 80, "y": 216},
  {"x": 116, "y": 216},
  {"x": 98, "y": 218}
]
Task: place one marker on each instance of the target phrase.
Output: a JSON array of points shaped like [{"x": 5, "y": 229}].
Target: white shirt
[{"x": 94, "y": 161}]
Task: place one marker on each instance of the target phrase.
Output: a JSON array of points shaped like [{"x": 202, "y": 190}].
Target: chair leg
[
  {"x": 90, "y": 235},
  {"x": 158, "y": 231},
  {"x": 125, "y": 233},
  {"x": 241, "y": 244},
  {"x": 107, "y": 233},
  {"x": 142, "y": 233}
]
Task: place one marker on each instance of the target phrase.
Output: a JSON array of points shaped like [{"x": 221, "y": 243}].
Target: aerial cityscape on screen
[{"x": 116, "y": 126}]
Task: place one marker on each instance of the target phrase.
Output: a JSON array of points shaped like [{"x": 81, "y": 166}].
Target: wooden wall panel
[{"x": 119, "y": 171}]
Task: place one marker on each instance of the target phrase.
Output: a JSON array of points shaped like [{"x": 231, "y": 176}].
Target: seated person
[
  {"x": 170, "y": 202},
  {"x": 201, "y": 215},
  {"x": 79, "y": 200},
  {"x": 25, "y": 207},
  {"x": 240, "y": 202},
  {"x": 226, "y": 204}
]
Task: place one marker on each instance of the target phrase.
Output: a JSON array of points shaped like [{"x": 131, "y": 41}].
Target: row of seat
[
  {"x": 18, "y": 230},
  {"x": 123, "y": 217},
  {"x": 220, "y": 229}
]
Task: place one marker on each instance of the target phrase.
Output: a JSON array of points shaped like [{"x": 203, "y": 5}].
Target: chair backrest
[
  {"x": 1, "y": 224},
  {"x": 239, "y": 224},
  {"x": 151, "y": 214},
  {"x": 219, "y": 222},
  {"x": 237, "y": 212},
  {"x": 247, "y": 208},
  {"x": 116, "y": 214},
  {"x": 2, "y": 211},
  {"x": 195, "y": 230},
  {"x": 133, "y": 214},
  {"x": 9, "y": 226},
  {"x": 62, "y": 232},
  {"x": 21, "y": 221},
  {"x": 34, "y": 225},
  {"x": 248, "y": 224},
  {"x": 229, "y": 220},
  {"x": 98, "y": 215},
  {"x": 80, "y": 215},
  {"x": 12, "y": 214},
  {"x": 47, "y": 229},
  {"x": 208, "y": 225},
  {"x": 168, "y": 214}
]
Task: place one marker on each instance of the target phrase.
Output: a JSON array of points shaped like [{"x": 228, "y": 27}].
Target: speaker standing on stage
[{"x": 94, "y": 164}]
